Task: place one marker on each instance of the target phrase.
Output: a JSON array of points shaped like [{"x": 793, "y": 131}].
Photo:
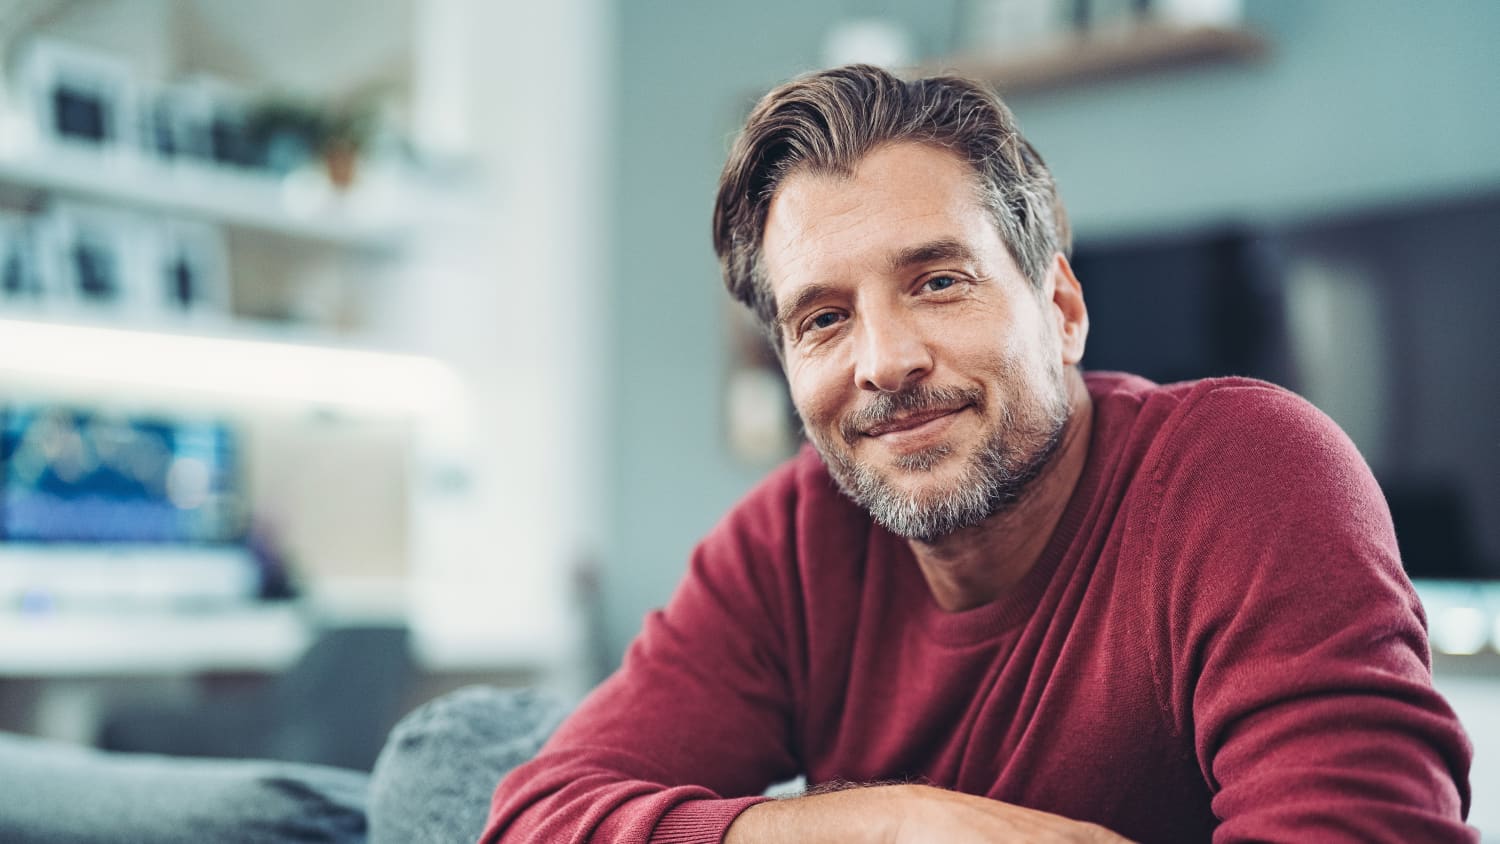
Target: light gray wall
[{"x": 1361, "y": 102}]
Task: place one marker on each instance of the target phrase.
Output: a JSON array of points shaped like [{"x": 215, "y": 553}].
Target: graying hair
[{"x": 828, "y": 121}]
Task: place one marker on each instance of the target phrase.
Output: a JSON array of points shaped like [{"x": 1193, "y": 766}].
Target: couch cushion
[
  {"x": 433, "y": 781},
  {"x": 56, "y": 792}
]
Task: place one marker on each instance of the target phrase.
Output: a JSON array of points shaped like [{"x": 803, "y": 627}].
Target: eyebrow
[{"x": 945, "y": 249}]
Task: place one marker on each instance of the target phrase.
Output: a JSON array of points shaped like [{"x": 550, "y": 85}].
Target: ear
[{"x": 1072, "y": 316}]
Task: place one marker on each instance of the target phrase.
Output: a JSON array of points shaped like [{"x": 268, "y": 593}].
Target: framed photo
[
  {"x": 1005, "y": 25},
  {"x": 230, "y": 137},
  {"x": 1116, "y": 16},
  {"x": 201, "y": 120},
  {"x": 190, "y": 270},
  {"x": 177, "y": 122},
  {"x": 23, "y": 283},
  {"x": 95, "y": 256},
  {"x": 760, "y": 425},
  {"x": 79, "y": 96}
]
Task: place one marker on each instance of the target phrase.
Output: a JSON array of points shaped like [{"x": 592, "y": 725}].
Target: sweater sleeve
[
  {"x": 1295, "y": 651},
  {"x": 695, "y": 724}
]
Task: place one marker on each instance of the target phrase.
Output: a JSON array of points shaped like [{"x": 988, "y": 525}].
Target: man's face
[{"x": 926, "y": 368}]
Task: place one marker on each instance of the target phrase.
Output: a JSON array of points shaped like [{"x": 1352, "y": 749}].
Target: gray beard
[{"x": 995, "y": 478}]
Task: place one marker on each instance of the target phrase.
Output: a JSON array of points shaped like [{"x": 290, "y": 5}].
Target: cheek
[
  {"x": 1023, "y": 345},
  {"x": 815, "y": 395},
  {"x": 986, "y": 353}
]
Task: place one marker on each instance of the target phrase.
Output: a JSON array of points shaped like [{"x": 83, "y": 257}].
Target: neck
[{"x": 980, "y": 564}]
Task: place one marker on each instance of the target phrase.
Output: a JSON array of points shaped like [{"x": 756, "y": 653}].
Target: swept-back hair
[{"x": 828, "y": 121}]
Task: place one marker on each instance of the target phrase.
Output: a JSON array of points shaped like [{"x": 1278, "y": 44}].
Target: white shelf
[
  {"x": 375, "y": 216},
  {"x": 225, "y": 365},
  {"x": 207, "y": 325},
  {"x": 253, "y": 639},
  {"x": 260, "y": 639}
]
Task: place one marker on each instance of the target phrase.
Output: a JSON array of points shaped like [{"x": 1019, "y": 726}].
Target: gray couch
[{"x": 431, "y": 784}]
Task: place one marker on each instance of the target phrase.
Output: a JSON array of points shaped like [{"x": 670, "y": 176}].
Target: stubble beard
[{"x": 997, "y": 475}]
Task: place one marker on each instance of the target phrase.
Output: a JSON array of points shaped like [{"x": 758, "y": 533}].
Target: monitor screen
[{"x": 78, "y": 476}]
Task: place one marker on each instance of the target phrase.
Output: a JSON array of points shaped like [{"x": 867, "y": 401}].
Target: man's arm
[
  {"x": 905, "y": 814},
  {"x": 695, "y": 724},
  {"x": 1294, "y": 652}
]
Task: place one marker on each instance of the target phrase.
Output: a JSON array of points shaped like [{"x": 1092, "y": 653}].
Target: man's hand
[{"x": 906, "y": 814}]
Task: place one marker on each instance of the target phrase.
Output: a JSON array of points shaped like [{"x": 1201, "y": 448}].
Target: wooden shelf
[
  {"x": 1094, "y": 57},
  {"x": 285, "y": 207}
]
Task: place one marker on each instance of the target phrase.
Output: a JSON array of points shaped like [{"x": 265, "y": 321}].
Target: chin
[
  {"x": 924, "y": 476},
  {"x": 926, "y": 494},
  {"x": 922, "y": 461}
]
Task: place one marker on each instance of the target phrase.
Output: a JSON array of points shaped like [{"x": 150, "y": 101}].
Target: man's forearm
[
  {"x": 903, "y": 814},
  {"x": 834, "y": 817}
]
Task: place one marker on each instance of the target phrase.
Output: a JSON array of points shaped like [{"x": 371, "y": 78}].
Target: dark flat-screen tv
[{"x": 1385, "y": 321}]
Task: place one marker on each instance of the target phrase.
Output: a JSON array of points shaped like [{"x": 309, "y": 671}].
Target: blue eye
[
  {"x": 827, "y": 319},
  {"x": 939, "y": 283}
]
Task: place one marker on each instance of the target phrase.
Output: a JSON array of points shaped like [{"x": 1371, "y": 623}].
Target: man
[{"x": 999, "y": 600}]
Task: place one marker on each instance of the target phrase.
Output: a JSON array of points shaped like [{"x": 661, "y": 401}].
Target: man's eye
[
  {"x": 939, "y": 283},
  {"x": 827, "y": 319}
]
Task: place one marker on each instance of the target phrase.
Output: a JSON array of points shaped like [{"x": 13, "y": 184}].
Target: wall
[{"x": 1360, "y": 103}]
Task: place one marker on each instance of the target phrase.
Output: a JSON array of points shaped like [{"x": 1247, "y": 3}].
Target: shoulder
[
  {"x": 1247, "y": 408},
  {"x": 1259, "y": 492},
  {"x": 760, "y": 548},
  {"x": 791, "y": 541},
  {"x": 1231, "y": 438},
  {"x": 750, "y": 577},
  {"x": 1238, "y": 481},
  {"x": 797, "y": 494},
  {"x": 1213, "y": 409},
  {"x": 1234, "y": 435}
]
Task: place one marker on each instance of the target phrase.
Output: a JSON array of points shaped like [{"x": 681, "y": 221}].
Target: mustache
[{"x": 886, "y": 407}]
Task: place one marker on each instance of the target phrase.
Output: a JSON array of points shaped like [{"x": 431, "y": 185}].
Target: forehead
[{"x": 824, "y": 224}]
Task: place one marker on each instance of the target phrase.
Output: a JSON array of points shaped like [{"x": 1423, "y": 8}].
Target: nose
[{"x": 891, "y": 351}]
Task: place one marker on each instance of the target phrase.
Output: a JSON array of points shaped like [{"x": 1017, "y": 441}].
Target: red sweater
[{"x": 1218, "y": 642}]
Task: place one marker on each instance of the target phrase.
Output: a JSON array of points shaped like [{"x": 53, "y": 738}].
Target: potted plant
[{"x": 293, "y": 131}]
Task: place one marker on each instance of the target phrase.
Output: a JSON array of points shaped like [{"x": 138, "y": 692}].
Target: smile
[{"x": 917, "y": 430}]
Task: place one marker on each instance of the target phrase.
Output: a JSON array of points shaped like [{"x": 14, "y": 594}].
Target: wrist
[{"x": 862, "y": 815}]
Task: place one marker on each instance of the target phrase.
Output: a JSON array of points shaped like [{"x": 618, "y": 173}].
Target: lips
[
  {"x": 909, "y": 421},
  {"x": 889, "y": 417}
]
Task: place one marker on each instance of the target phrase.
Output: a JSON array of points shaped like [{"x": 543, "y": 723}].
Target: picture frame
[
  {"x": 231, "y": 140},
  {"x": 1010, "y": 25},
  {"x": 177, "y": 122},
  {"x": 96, "y": 258},
  {"x": 760, "y": 425},
  {"x": 189, "y": 271},
  {"x": 79, "y": 97},
  {"x": 24, "y": 284}
]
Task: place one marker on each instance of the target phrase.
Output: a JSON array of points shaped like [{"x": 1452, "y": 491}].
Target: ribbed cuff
[{"x": 700, "y": 821}]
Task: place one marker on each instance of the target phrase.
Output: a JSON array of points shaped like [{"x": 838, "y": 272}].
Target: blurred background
[{"x": 354, "y": 350}]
